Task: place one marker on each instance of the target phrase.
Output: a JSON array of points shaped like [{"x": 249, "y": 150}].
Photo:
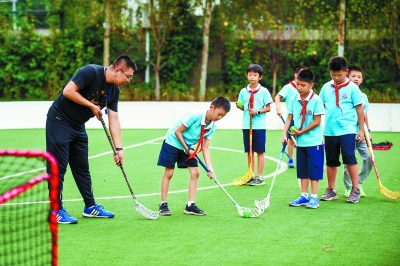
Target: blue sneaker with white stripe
[
  {"x": 63, "y": 217},
  {"x": 97, "y": 211},
  {"x": 301, "y": 201}
]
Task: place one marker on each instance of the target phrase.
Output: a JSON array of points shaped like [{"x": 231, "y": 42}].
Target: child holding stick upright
[
  {"x": 356, "y": 76},
  {"x": 257, "y": 102},
  {"x": 306, "y": 109}
]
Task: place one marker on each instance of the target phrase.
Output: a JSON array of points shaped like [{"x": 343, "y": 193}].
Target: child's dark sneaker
[
  {"x": 193, "y": 209},
  {"x": 257, "y": 181},
  {"x": 164, "y": 209}
]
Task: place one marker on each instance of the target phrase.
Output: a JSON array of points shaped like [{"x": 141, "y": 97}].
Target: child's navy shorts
[
  {"x": 334, "y": 145},
  {"x": 169, "y": 155},
  {"x": 258, "y": 140},
  {"x": 310, "y": 162}
]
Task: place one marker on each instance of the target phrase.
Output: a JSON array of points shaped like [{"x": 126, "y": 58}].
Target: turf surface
[{"x": 361, "y": 234}]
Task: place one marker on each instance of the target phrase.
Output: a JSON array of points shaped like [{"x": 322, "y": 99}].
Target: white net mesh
[
  {"x": 262, "y": 204},
  {"x": 153, "y": 215},
  {"x": 249, "y": 213}
]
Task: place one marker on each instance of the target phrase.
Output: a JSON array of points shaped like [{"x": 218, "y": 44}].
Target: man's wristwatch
[
  {"x": 259, "y": 112},
  {"x": 118, "y": 149}
]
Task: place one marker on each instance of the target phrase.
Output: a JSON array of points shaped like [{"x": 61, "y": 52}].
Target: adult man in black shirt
[{"x": 91, "y": 89}]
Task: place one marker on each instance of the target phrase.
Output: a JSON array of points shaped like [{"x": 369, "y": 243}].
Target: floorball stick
[
  {"x": 249, "y": 174},
  {"x": 153, "y": 215},
  {"x": 263, "y": 204},
  {"x": 243, "y": 211},
  {"x": 291, "y": 136},
  {"x": 385, "y": 192}
]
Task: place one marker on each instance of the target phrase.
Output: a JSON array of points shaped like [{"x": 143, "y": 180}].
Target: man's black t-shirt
[{"x": 92, "y": 86}]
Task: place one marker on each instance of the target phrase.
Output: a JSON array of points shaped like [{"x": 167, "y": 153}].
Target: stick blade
[
  {"x": 254, "y": 212},
  {"x": 262, "y": 204},
  {"x": 152, "y": 215},
  {"x": 244, "y": 179},
  {"x": 394, "y": 195}
]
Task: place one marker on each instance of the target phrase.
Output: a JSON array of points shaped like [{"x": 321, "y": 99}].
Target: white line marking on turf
[
  {"x": 282, "y": 169},
  {"x": 90, "y": 157}
]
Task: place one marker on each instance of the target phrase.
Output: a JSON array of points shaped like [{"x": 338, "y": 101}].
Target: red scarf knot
[
  {"x": 304, "y": 109},
  {"x": 199, "y": 147},
  {"x": 337, "y": 88},
  {"x": 252, "y": 92}
]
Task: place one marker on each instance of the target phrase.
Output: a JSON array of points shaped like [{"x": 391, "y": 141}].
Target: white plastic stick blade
[
  {"x": 152, "y": 215},
  {"x": 255, "y": 212},
  {"x": 262, "y": 204}
]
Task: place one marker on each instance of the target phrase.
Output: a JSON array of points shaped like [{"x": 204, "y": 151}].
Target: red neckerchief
[
  {"x": 199, "y": 144},
  {"x": 251, "y": 100},
  {"x": 293, "y": 84},
  {"x": 337, "y": 88},
  {"x": 304, "y": 109}
]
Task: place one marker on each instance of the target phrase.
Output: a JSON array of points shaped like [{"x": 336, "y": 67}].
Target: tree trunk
[
  {"x": 204, "y": 57},
  {"x": 274, "y": 82},
  {"x": 342, "y": 12},
  {"x": 106, "y": 48},
  {"x": 157, "y": 75}
]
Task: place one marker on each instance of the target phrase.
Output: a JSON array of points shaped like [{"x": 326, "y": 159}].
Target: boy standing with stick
[
  {"x": 343, "y": 108},
  {"x": 305, "y": 110}
]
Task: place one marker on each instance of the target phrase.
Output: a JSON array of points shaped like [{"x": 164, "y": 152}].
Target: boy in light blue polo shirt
[
  {"x": 305, "y": 110},
  {"x": 194, "y": 127},
  {"x": 356, "y": 76},
  {"x": 286, "y": 93},
  {"x": 343, "y": 108},
  {"x": 257, "y": 102}
]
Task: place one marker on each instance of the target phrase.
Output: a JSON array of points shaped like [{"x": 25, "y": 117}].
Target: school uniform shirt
[
  {"x": 365, "y": 102},
  {"x": 287, "y": 92},
  {"x": 340, "y": 120},
  {"x": 261, "y": 99},
  {"x": 365, "y": 106},
  {"x": 314, "y": 107},
  {"x": 92, "y": 85},
  {"x": 193, "y": 122}
]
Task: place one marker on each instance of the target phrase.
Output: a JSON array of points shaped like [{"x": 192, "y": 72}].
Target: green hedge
[{"x": 36, "y": 67}]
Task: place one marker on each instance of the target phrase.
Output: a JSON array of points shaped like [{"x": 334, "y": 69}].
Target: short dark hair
[
  {"x": 297, "y": 69},
  {"x": 355, "y": 68},
  {"x": 125, "y": 60},
  {"x": 306, "y": 75},
  {"x": 255, "y": 68},
  {"x": 223, "y": 102},
  {"x": 338, "y": 63}
]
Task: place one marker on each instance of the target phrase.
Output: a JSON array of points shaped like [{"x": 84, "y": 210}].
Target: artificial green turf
[{"x": 366, "y": 233}]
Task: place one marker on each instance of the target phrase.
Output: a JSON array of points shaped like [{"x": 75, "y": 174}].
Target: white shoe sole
[
  {"x": 193, "y": 213},
  {"x": 95, "y": 216}
]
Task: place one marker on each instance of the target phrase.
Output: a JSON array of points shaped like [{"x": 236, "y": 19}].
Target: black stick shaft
[{"x": 115, "y": 153}]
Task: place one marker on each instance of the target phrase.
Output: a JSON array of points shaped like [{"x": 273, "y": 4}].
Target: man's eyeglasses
[{"x": 130, "y": 78}]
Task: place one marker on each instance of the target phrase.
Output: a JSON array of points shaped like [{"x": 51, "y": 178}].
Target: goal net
[{"x": 28, "y": 205}]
